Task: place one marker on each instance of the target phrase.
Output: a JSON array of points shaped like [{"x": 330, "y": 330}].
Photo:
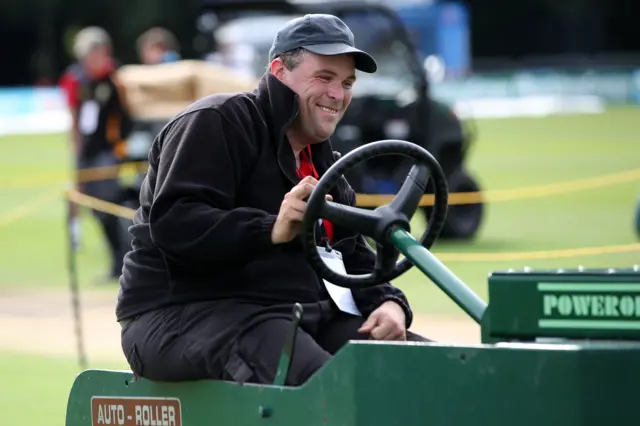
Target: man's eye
[{"x": 325, "y": 78}]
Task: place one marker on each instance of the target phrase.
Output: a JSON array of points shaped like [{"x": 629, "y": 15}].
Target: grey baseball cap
[{"x": 322, "y": 34}]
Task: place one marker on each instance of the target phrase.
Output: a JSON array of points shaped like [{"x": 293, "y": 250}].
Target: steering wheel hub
[{"x": 388, "y": 218}]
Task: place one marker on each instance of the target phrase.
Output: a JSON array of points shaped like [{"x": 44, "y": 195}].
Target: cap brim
[{"x": 364, "y": 61}]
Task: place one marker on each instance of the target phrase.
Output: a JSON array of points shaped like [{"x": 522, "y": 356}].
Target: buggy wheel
[{"x": 463, "y": 220}]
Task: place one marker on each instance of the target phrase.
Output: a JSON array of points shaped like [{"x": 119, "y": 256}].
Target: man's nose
[{"x": 336, "y": 92}]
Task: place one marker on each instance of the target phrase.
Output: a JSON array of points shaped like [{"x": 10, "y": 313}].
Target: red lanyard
[
  {"x": 308, "y": 169},
  {"x": 306, "y": 165}
]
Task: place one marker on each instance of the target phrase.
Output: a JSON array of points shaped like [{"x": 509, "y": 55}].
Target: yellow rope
[
  {"x": 367, "y": 200},
  {"x": 128, "y": 213},
  {"x": 375, "y": 200},
  {"x": 537, "y": 255},
  {"x": 99, "y": 205},
  {"x": 81, "y": 176},
  {"x": 537, "y": 191}
]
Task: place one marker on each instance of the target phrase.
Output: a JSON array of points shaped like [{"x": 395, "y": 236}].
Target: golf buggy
[
  {"x": 559, "y": 348},
  {"x": 392, "y": 103}
]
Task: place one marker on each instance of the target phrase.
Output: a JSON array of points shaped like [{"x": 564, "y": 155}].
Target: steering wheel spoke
[
  {"x": 386, "y": 258},
  {"x": 355, "y": 219},
  {"x": 408, "y": 198}
]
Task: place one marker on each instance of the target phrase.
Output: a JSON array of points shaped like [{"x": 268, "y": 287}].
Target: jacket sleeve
[
  {"x": 359, "y": 258},
  {"x": 193, "y": 218}
]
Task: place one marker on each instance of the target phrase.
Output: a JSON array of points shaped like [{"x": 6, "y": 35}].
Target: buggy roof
[
  {"x": 292, "y": 6},
  {"x": 276, "y": 3},
  {"x": 235, "y": 31}
]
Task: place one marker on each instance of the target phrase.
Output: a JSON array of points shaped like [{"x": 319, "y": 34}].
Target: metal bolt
[{"x": 264, "y": 412}]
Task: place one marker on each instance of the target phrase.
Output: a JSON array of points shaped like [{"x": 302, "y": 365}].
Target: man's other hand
[
  {"x": 289, "y": 221},
  {"x": 387, "y": 322}
]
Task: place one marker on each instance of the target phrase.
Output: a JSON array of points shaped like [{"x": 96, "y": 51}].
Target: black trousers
[{"x": 236, "y": 340}]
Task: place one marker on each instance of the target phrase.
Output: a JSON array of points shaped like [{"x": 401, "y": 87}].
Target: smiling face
[{"x": 323, "y": 85}]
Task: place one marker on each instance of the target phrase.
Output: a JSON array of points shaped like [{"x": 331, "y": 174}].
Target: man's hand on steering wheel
[{"x": 292, "y": 210}]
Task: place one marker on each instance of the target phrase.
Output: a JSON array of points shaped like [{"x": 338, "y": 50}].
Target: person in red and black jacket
[
  {"x": 216, "y": 266},
  {"x": 100, "y": 125}
]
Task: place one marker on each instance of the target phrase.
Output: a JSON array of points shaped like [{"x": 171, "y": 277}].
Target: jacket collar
[
  {"x": 279, "y": 104},
  {"x": 280, "y": 107}
]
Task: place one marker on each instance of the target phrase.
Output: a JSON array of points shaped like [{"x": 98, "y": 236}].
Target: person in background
[
  {"x": 100, "y": 124},
  {"x": 158, "y": 45}
]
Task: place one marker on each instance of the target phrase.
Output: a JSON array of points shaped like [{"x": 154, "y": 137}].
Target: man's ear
[{"x": 277, "y": 68}]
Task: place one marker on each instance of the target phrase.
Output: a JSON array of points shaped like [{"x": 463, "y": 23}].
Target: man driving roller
[{"x": 216, "y": 262}]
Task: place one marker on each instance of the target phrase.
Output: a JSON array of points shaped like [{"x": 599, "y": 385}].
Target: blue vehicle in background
[{"x": 439, "y": 30}]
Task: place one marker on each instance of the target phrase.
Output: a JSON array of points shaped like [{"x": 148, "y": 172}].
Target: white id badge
[
  {"x": 342, "y": 296},
  {"x": 88, "y": 117}
]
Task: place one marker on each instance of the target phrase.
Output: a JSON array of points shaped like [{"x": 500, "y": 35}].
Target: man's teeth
[{"x": 332, "y": 111}]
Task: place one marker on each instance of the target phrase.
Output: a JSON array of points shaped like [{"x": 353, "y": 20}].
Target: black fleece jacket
[{"x": 217, "y": 175}]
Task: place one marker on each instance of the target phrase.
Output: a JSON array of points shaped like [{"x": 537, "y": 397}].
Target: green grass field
[
  {"x": 508, "y": 154},
  {"x": 512, "y": 153},
  {"x": 35, "y": 388}
]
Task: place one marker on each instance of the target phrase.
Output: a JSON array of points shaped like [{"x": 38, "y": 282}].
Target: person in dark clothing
[
  {"x": 100, "y": 125},
  {"x": 216, "y": 266}
]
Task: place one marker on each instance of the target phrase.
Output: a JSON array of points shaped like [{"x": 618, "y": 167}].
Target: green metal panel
[
  {"x": 209, "y": 402},
  {"x": 595, "y": 304},
  {"x": 385, "y": 384}
]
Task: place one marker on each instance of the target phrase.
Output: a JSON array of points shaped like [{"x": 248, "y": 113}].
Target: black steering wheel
[{"x": 378, "y": 223}]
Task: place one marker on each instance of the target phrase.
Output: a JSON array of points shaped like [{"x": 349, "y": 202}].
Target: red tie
[{"x": 306, "y": 169}]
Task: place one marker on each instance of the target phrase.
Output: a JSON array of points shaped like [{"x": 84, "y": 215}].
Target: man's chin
[
  {"x": 324, "y": 133},
  {"x": 318, "y": 133},
  {"x": 323, "y": 137}
]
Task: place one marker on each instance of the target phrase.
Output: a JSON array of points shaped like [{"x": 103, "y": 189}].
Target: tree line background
[{"x": 36, "y": 34}]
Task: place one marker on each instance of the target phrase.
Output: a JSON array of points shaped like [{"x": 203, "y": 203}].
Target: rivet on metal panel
[{"x": 265, "y": 412}]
